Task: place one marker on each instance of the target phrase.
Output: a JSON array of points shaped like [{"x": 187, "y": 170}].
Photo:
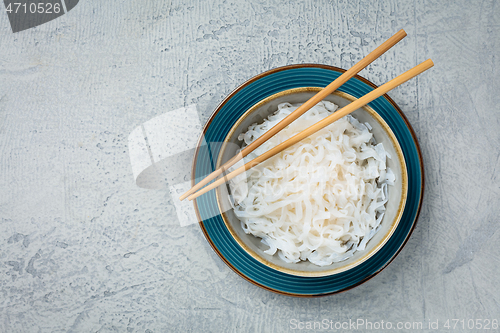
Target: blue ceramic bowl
[{"x": 220, "y": 238}]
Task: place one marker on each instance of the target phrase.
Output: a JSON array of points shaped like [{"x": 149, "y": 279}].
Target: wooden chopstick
[
  {"x": 302, "y": 109},
  {"x": 321, "y": 124}
]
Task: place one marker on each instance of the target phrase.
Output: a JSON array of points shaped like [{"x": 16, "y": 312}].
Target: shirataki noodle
[{"x": 319, "y": 200}]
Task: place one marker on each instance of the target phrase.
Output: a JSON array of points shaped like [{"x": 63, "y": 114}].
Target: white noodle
[{"x": 319, "y": 200}]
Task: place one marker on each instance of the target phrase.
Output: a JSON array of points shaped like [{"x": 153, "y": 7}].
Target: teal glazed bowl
[{"x": 215, "y": 229}]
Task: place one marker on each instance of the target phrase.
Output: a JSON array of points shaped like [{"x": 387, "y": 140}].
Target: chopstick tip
[{"x": 427, "y": 64}]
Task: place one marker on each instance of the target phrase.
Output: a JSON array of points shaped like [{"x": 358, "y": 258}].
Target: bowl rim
[
  {"x": 398, "y": 110},
  {"x": 394, "y": 222}
]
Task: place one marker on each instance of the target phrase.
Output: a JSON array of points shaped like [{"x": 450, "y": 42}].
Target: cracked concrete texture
[{"x": 85, "y": 250}]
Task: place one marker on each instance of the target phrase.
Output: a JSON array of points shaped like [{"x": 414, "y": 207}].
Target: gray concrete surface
[{"x": 83, "y": 249}]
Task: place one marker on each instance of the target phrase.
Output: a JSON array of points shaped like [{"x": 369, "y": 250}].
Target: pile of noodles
[{"x": 319, "y": 200}]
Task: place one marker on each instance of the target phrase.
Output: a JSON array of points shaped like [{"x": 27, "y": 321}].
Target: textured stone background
[{"x": 82, "y": 249}]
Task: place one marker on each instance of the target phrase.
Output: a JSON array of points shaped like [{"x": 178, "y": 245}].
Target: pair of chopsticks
[{"x": 195, "y": 191}]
